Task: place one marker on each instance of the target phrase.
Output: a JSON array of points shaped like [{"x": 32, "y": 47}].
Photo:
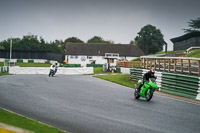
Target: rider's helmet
[{"x": 152, "y": 71}]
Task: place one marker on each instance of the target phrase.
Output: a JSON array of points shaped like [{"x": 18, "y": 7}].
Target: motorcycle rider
[
  {"x": 52, "y": 68},
  {"x": 56, "y": 67},
  {"x": 146, "y": 77}
]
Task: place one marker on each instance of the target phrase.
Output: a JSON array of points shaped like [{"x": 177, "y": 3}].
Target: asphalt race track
[{"x": 84, "y": 104}]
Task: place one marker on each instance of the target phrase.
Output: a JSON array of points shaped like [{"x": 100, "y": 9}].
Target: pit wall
[{"x": 45, "y": 70}]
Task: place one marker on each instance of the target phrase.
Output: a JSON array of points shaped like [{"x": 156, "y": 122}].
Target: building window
[
  {"x": 74, "y": 57},
  {"x": 89, "y": 57}
]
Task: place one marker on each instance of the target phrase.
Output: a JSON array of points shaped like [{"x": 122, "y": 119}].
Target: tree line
[
  {"x": 149, "y": 39},
  {"x": 33, "y": 43}
]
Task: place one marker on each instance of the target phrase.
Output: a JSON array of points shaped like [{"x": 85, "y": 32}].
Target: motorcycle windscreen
[
  {"x": 153, "y": 83},
  {"x": 153, "y": 80}
]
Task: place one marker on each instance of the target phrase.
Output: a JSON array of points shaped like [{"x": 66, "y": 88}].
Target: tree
[
  {"x": 150, "y": 39},
  {"x": 194, "y": 25},
  {"x": 30, "y": 43},
  {"x": 97, "y": 39},
  {"x": 73, "y": 40}
]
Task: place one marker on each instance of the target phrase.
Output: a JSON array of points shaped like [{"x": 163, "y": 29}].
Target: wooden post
[
  {"x": 181, "y": 65},
  {"x": 143, "y": 63},
  {"x": 159, "y": 64},
  {"x": 164, "y": 65},
  {"x": 147, "y": 63},
  {"x": 169, "y": 64},
  {"x": 189, "y": 66},
  {"x": 151, "y": 63},
  {"x": 155, "y": 64},
  {"x": 199, "y": 67},
  {"x": 174, "y": 66}
]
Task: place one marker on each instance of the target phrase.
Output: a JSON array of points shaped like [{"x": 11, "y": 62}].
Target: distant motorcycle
[
  {"x": 52, "y": 70},
  {"x": 51, "y": 73},
  {"x": 146, "y": 90}
]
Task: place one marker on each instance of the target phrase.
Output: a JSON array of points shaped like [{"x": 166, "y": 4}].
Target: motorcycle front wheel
[
  {"x": 136, "y": 94},
  {"x": 149, "y": 95}
]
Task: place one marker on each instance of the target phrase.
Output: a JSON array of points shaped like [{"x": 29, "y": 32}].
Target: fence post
[
  {"x": 151, "y": 63},
  {"x": 159, "y": 64},
  {"x": 164, "y": 65},
  {"x": 189, "y": 66},
  {"x": 181, "y": 65},
  {"x": 174, "y": 66},
  {"x": 143, "y": 62},
  {"x": 199, "y": 67},
  {"x": 155, "y": 64},
  {"x": 147, "y": 63},
  {"x": 169, "y": 64}
]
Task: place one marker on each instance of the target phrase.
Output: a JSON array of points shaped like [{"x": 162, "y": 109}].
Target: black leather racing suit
[{"x": 146, "y": 78}]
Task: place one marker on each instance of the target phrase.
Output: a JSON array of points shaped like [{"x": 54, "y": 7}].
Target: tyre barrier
[{"x": 176, "y": 84}]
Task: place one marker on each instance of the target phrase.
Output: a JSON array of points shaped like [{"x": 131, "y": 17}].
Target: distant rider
[
  {"x": 56, "y": 67},
  {"x": 52, "y": 68},
  {"x": 146, "y": 77}
]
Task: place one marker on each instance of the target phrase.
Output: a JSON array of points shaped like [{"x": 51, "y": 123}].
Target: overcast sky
[{"x": 116, "y": 20}]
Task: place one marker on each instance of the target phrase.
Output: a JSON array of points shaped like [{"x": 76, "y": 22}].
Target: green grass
[
  {"x": 25, "y": 123},
  {"x": 4, "y": 73},
  {"x": 98, "y": 70},
  {"x": 1, "y": 63},
  {"x": 170, "y": 52},
  {"x": 195, "y": 54},
  {"x": 119, "y": 79},
  {"x": 33, "y": 64}
]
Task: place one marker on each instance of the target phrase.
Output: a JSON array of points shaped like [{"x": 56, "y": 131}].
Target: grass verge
[
  {"x": 98, "y": 70},
  {"x": 170, "y": 52},
  {"x": 4, "y": 73},
  {"x": 1, "y": 63},
  {"x": 25, "y": 123},
  {"x": 32, "y": 64},
  {"x": 195, "y": 54},
  {"x": 119, "y": 79}
]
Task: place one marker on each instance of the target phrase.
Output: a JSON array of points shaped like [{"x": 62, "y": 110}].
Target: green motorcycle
[{"x": 146, "y": 90}]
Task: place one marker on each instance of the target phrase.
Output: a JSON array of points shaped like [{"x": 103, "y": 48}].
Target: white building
[{"x": 78, "y": 53}]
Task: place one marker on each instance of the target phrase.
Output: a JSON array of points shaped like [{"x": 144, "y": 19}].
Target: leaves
[
  {"x": 73, "y": 40},
  {"x": 30, "y": 43},
  {"x": 97, "y": 39},
  {"x": 194, "y": 25},
  {"x": 150, "y": 39}
]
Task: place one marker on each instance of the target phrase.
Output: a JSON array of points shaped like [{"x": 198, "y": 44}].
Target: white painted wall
[
  {"x": 45, "y": 70},
  {"x": 88, "y": 60},
  {"x": 84, "y": 60}
]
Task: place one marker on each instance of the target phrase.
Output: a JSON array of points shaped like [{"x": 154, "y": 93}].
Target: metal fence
[{"x": 32, "y": 55}]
